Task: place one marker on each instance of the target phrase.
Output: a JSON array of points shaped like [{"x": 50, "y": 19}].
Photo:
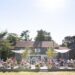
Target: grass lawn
[{"x": 37, "y": 73}]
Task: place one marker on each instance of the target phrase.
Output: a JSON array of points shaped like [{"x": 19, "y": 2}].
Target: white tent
[
  {"x": 18, "y": 51},
  {"x": 62, "y": 50}
]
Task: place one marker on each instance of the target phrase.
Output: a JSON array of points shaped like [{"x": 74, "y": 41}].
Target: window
[{"x": 37, "y": 50}]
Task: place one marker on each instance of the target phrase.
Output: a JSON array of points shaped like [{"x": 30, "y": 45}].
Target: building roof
[
  {"x": 44, "y": 44},
  {"x": 24, "y": 43}
]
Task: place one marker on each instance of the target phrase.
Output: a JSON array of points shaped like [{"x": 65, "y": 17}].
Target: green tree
[
  {"x": 51, "y": 53},
  {"x": 69, "y": 41},
  {"x": 25, "y": 35},
  {"x": 2, "y": 35},
  {"x": 12, "y": 37},
  {"x": 5, "y": 47},
  {"x": 43, "y": 36},
  {"x": 26, "y": 53}
]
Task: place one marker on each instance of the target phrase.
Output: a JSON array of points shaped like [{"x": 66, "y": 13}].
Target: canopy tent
[
  {"x": 62, "y": 50},
  {"x": 18, "y": 51}
]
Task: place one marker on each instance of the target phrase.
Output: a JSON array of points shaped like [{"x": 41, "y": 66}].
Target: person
[
  {"x": 72, "y": 62},
  {"x": 53, "y": 64},
  {"x": 61, "y": 62}
]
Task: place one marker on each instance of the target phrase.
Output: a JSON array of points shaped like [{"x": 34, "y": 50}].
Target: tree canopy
[
  {"x": 69, "y": 41},
  {"x": 50, "y": 53},
  {"x": 12, "y": 38},
  {"x": 2, "y": 34},
  {"x": 43, "y": 36},
  {"x": 5, "y": 46},
  {"x": 25, "y": 35}
]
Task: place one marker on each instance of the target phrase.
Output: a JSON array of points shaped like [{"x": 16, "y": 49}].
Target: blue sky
[{"x": 54, "y": 16}]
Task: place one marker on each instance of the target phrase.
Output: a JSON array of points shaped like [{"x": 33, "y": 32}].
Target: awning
[
  {"x": 62, "y": 50},
  {"x": 18, "y": 51}
]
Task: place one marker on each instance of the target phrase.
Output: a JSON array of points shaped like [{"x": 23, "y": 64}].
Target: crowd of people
[
  {"x": 12, "y": 63},
  {"x": 65, "y": 64}
]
